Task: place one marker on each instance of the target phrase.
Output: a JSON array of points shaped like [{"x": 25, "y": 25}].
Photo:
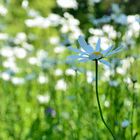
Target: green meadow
[{"x": 44, "y": 95}]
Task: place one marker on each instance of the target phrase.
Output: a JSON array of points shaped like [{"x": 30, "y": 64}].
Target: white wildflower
[
  {"x": 67, "y": 4},
  {"x": 20, "y": 52},
  {"x": 17, "y": 81},
  {"x": 59, "y": 49},
  {"x": 42, "y": 79},
  {"x": 107, "y": 103},
  {"x": 58, "y": 72},
  {"x": 70, "y": 72},
  {"x": 89, "y": 77},
  {"x": 32, "y": 60},
  {"x": 3, "y": 10},
  {"x": 61, "y": 85},
  {"x": 43, "y": 98}
]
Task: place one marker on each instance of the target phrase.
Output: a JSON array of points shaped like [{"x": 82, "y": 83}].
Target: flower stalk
[
  {"x": 88, "y": 53},
  {"x": 133, "y": 107},
  {"x": 98, "y": 101}
]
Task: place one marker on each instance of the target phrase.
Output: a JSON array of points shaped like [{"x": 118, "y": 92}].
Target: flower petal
[
  {"x": 115, "y": 51},
  {"x": 82, "y": 42},
  {"x": 84, "y": 53},
  {"x": 74, "y": 57},
  {"x": 74, "y": 49},
  {"x": 83, "y": 60},
  {"x": 84, "y": 45},
  {"x": 98, "y": 45},
  {"x": 90, "y": 49},
  {"x": 105, "y": 62},
  {"x": 105, "y": 52}
]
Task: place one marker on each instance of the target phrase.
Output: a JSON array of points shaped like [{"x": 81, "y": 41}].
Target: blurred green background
[{"x": 43, "y": 95}]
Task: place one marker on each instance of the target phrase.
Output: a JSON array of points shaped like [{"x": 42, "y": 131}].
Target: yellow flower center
[{"x": 97, "y": 53}]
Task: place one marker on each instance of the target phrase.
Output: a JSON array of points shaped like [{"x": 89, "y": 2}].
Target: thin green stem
[
  {"x": 77, "y": 100},
  {"x": 133, "y": 98},
  {"x": 98, "y": 101}
]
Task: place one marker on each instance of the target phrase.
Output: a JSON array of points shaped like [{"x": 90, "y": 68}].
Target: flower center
[{"x": 97, "y": 53}]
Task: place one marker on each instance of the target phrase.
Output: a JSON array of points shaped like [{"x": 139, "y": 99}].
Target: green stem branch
[{"x": 98, "y": 101}]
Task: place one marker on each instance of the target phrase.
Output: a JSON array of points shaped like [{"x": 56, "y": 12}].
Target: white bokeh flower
[
  {"x": 32, "y": 60},
  {"x": 3, "y": 36},
  {"x": 70, "y": 72},
  {"x": 54, "y": 40},
  {"x": 5, "y": 76},
  {"x": 42, "y": 79},
  {"x": 107, "y": 103},
  {"x": 17, "y": 80},
  {"x": 11, "y": 64},
  {"x": 20, "y": 52},
  {"x": 89, "y": 77},
  {"x": 44, "y": 22},
  {"x": 43, "y": 98},
  {"x": 7, "y": 52},
  {"x": 58, "y": 72},
  {"x": 59, "y": 49},
  {"x": 20, "y": 38},
  {"x": 67, "y": 4},
  {"x": 61, "y": 85},
  {"x": 25, "y": 4},
  {"x": 97, "y": 32},
  {"x": 3, "y": 10},
  {"x": 125, "y": 65}
]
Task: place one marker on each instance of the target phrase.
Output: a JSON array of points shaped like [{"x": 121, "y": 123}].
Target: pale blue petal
[
  {"x": 74, "y": 49},
  {"x": 119, "y": 48},
  {"x": 105, "y": 52},
  {"x": 84, "y": 53},
  {"x": 84, "y": 45},
  {"x": 90, "y": 49},
  {"x": 82, "y": 42},
  {"x": 74, "y": 57},
  {"x": 83, "y": 60},
  {"x": 98, "y": 45},
  {"x": 105, "y": 62},
  {"x": 115, "y": 51}
]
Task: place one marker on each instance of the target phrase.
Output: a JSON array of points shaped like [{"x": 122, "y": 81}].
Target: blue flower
[{"x": 87, "y": 52}]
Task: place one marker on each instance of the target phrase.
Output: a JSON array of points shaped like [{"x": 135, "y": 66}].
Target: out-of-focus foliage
[{"x": 45, "y": 96}]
